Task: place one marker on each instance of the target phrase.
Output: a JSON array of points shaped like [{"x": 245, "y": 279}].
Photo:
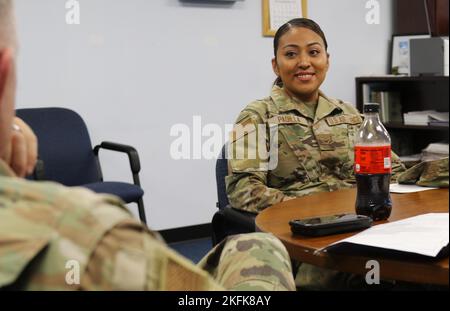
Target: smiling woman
[
  {"x": 288, "y": 54},
  {"x": 315, "y": 137},
  {"x": 315, "y": 132},
  {"x": 301, "y": 63}
]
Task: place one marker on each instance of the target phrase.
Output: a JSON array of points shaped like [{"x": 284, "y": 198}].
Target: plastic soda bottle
[{"x": 373, "y": 166}]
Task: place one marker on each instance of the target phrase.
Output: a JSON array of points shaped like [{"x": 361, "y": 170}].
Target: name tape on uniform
[
  {"x": 344, "y": 119},
  {"x": 287, "y": 119}
]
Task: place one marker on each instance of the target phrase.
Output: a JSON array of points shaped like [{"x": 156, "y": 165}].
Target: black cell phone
[{"x": 326, "y": 225}]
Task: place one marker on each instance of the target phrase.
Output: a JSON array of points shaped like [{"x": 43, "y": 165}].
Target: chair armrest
[
  {"x": 229, "y": 221},
  {"x": 132, "y": 153},
  {"x": 243, "y": 219},
  {"x": 39, "y": 171}
]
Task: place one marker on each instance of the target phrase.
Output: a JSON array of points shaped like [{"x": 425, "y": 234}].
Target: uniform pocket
[
  {"x": 336, "y": 148},
  {"x": 333, "y": 138},
  {"x": 296, "y": 162}
]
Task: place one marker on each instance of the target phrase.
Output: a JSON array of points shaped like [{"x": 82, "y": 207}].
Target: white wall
[{"x": 134, "y": 68}]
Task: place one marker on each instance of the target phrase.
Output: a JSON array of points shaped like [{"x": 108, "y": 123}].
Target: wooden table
[{"x": 275, "y": 219}]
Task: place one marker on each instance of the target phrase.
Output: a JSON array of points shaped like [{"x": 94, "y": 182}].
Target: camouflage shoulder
[
  {"x": 347, "y": 107},
  {"x": 257, "y": 110},
  {"x": 59, "y": 196},
  {"x": 67, "y": 222}
]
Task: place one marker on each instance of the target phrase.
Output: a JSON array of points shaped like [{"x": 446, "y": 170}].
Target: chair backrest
[
  {"x": 221, "y": 172},
  {"x": 64, "y": 145}
]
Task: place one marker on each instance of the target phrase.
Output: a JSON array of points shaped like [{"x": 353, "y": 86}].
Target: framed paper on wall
[
  {"x": 278, "y": 12},
  {"x": 400, "y": 62}
]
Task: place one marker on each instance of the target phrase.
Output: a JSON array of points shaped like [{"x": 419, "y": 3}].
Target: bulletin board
[{"x": 278, "y": 12}]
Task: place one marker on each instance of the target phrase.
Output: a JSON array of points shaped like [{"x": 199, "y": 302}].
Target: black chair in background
[
  {"x": 66, "y": 155},
  {"x": 227, "y": 220}
]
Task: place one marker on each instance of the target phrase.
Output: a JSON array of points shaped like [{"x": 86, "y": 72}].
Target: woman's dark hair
[{"x": 296, "y": 23}]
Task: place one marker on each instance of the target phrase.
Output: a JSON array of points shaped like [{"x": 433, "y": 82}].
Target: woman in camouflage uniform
[
  {"x": 315, "y": 133},
  {"x": 310, "y": 135}
]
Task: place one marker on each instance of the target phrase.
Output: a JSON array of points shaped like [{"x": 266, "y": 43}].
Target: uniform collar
[
  {"x": 325, "y": 107},
  {"x": 286, "y": 103},
  {"x": 5, "y": 170}
]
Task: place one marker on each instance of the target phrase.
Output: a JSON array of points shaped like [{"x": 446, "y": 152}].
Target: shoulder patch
[
  {"x": 242, "y": 117},
  {"x": 243, "y": 127}
]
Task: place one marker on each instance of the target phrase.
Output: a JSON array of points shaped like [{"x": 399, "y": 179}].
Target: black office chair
[
  {"x": 227, "y": 220},
  {"x": 66, "y": 155}
]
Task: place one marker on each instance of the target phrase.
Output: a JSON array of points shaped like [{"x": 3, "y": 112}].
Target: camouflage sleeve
[
  {"x": 428, "y": 174},
  {"x": 254, "y": 261},
  {"x": 397, "y": 167},
  {"x": 246, "y": 184},
  {"x": 248, "y": 191},
  {"x": 129, "y": 258}
]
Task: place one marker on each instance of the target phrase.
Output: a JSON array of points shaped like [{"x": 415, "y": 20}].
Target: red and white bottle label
[{"x": 373, "y": 159}]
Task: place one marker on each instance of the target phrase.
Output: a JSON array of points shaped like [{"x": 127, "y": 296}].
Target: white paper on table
[
  {"x": 282, "y": 11},
  {"x": 425, "y": 234},
  {"x": 396, "y": 188}
]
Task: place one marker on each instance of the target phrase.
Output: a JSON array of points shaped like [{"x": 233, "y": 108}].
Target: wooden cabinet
[
  {"x": 415, "y": 94},
  {"x": 409, "y": 17}
]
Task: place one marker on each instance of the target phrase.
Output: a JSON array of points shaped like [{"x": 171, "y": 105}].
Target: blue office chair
[
  {"x": 66, "y": 155},
  {"x": 227, "y": 220}
]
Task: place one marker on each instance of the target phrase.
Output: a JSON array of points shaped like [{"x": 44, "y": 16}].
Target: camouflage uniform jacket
[
  {"x": 315, "y": 153},
  {"x": 428, "y": 174},
  {"x": 49, "y": 234}
]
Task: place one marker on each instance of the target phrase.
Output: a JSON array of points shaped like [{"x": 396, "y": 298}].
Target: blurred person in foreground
[{"x": 49, "y": 233}]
